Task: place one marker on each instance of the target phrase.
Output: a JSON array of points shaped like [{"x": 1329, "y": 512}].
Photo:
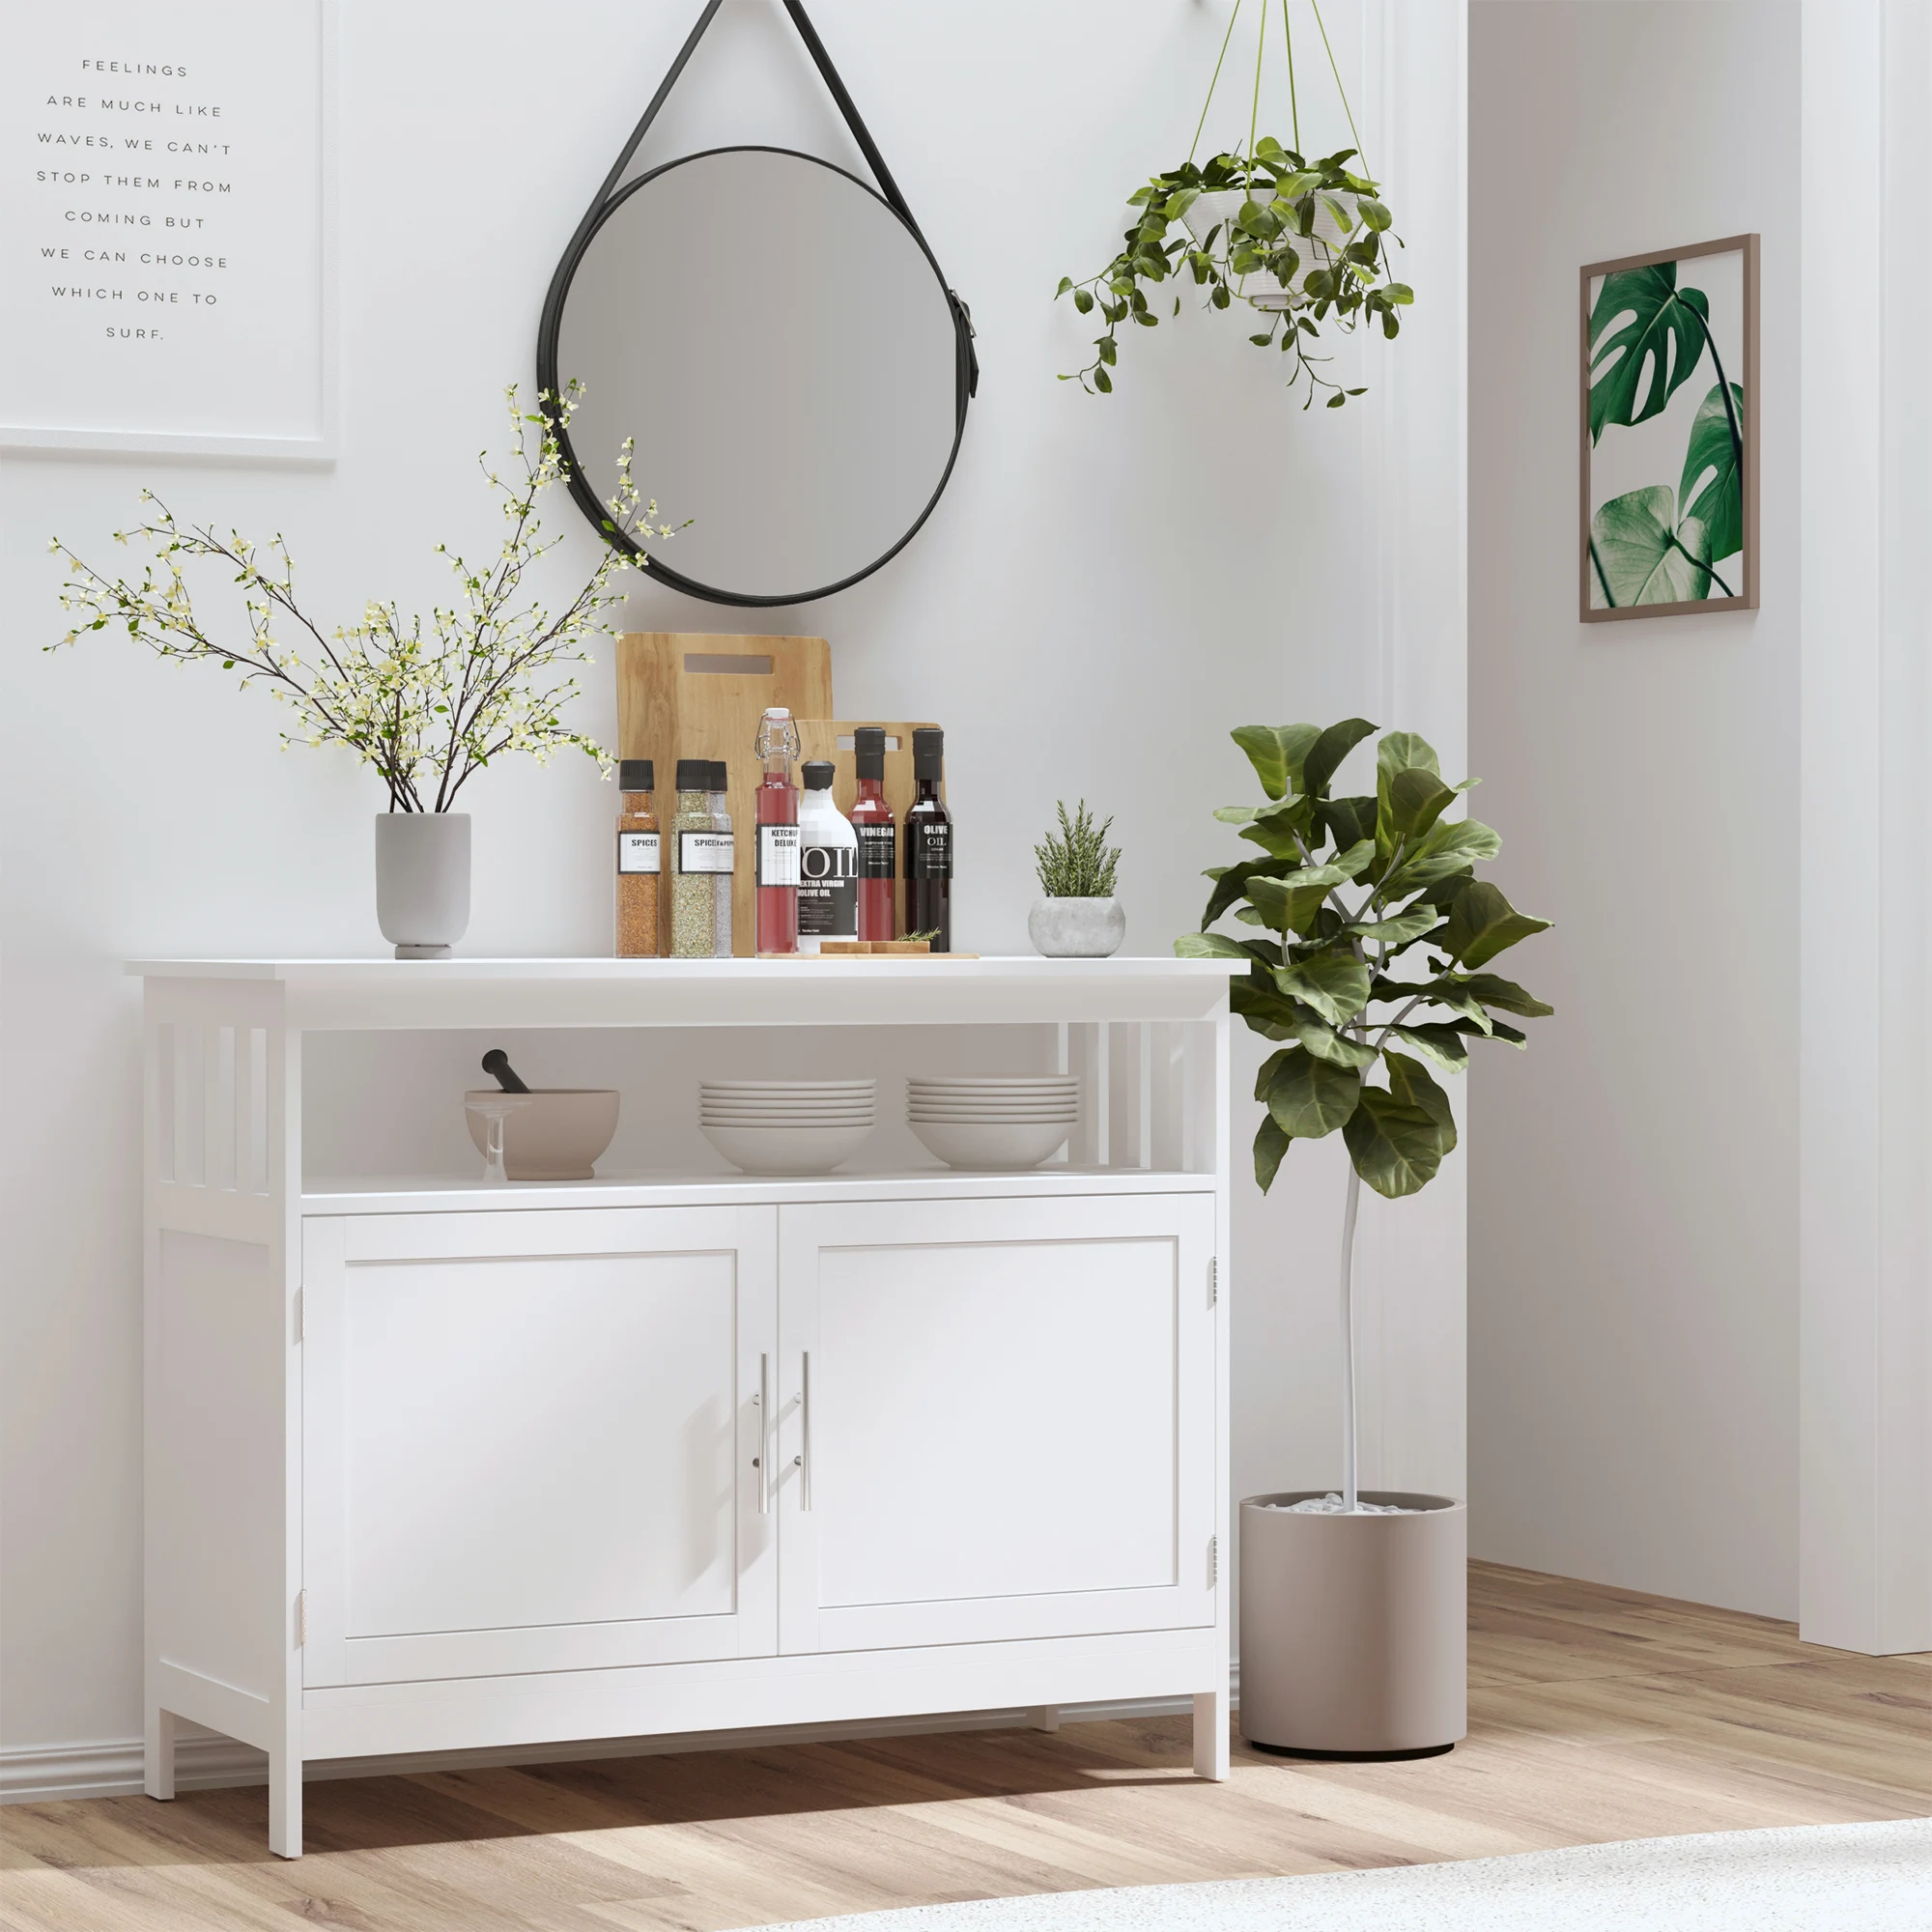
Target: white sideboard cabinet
[{"x": 435, "y": 1465}]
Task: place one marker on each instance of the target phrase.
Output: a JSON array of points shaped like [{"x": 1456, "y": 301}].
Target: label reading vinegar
[{"x": 878, "y": 852}]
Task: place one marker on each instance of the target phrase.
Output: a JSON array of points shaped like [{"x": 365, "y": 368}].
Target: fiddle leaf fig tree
[{"x": 1369, "y": 941}]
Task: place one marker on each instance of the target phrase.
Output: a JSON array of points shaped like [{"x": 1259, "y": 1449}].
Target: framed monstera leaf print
[{"x": 1670, "y": 424}]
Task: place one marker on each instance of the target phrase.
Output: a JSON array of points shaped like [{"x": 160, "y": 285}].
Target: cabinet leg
[
  {"x": 1045, "y": 1718},
  {"x": 285, "y": 1804},
  {"x": 1210, "y": 1734},
  {"x": 158, "y": 1755}
]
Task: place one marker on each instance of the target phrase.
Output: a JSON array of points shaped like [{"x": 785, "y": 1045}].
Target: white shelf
[
  {"x": 440, "y": 1193},
  {"x": 935, "y": 990}
]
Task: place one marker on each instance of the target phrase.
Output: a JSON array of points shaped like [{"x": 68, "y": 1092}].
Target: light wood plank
[{"x": 1596, "y": 1714}]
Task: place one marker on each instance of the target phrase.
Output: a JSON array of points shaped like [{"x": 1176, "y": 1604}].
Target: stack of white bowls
[
  {"x": 786, "y": 1126},
  {"x": 992, "y": 1124}
]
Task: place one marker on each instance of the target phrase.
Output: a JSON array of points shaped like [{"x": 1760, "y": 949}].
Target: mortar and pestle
[{"x": 538, "y": 1133}]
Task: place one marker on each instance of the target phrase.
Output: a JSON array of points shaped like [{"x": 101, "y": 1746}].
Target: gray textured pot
[
  {"x": 422, "y": 881},
  {"x": 1354, "y": 1628},
  {"x": 1077, "y": 928}
]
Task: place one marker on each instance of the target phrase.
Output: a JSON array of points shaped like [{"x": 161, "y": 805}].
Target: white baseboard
[{"x": 34, "y": 1773}]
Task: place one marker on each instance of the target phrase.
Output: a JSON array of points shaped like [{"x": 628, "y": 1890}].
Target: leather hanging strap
[{"x": 889, "y": 189}]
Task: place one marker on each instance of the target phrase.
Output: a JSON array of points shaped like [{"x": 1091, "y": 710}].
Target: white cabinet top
[{"x": 936, "y": 990}]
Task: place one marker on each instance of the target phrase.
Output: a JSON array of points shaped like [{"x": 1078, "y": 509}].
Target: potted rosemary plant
[
  {"x": 427, "y": 705},
  {"x": 1078, "y": 918},
  {"x": 1368, "y": 953},
  {"x": 1302, "y": 242}
]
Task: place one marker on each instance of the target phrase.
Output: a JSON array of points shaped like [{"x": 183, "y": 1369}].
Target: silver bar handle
[
  {"x": 805, "y": 1432},
  {"x": 763, "y": 1460}
]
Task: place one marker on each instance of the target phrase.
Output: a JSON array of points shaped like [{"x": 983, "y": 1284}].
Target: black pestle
[{"x": 497, "y": 1063}]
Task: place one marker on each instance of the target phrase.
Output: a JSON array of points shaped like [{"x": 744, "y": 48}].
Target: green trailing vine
[{"x": 1302, "y": 243}]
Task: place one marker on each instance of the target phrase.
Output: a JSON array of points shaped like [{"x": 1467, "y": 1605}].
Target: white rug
[{"x": 1861, "y": 1878}]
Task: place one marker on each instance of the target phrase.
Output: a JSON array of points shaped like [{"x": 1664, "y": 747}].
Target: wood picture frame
[{"x": 1630, "y": 565}]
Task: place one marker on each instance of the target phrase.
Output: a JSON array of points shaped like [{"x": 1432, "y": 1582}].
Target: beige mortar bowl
[{"x": 553, "y": 1133}]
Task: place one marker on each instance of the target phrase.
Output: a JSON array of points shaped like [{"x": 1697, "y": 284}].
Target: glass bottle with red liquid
[
  {"x": 777, "y": 816},
  {"x": 878, "y": 837}
]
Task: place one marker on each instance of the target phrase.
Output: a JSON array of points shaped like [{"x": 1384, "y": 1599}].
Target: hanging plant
[{"x": 1300, "y": 243}]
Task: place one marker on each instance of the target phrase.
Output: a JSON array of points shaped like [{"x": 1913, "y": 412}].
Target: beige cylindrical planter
[{"x": 1354, "y": 1628}]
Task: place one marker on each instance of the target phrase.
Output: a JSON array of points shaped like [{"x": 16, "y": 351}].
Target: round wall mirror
[{"x": 777, "y": 341}]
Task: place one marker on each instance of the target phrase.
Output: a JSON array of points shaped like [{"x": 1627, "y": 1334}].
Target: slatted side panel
[
  {"x": 1144, "y": 1089},
  {"x": 209, "y": 1088}
]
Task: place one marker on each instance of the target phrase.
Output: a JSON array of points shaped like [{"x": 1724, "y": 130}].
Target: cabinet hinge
[
  {"x": 302, "y": 1618},
  {"x": 1213, "y": 1561},
  {"x": 1213, "y": 1280}
]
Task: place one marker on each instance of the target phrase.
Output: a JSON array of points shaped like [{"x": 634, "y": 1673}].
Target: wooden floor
[{"x": 1595, "y": 1714}]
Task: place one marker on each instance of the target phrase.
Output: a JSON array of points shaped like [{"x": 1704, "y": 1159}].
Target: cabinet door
[
  {"x": 529, "y": 1439},
  {"x": 997, "y": 1421}
]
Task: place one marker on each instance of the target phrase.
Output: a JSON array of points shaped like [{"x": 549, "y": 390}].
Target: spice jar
[
  {"x": 699, "y": 854},
  {"x": 639, "y": 861}
]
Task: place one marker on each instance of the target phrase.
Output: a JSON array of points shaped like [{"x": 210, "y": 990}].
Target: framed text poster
[
  {"x": 1670, "y": 424},
  {"x": 166, "y": 226}
]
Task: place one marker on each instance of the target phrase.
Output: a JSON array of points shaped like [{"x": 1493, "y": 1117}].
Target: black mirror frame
[{"x": 966, "y": 363}]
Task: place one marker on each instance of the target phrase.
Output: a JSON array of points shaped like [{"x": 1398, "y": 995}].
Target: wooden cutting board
[{"x": 692, "y": 694}]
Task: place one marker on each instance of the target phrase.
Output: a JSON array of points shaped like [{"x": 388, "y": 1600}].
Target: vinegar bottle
[
  {"x": 928, "y": 841},
  {"x": 878, "y": 837},
  {"x": 777, "y": 804}
]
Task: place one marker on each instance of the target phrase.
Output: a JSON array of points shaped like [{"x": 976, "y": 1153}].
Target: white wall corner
[
  {"x": 1865, "y": 1503},
  {"x": 1413, "y": 1263}
]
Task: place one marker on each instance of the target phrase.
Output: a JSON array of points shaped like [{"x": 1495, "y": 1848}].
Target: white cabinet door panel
[
  {"x": 1000, "y": 1419},
  {"x": 529, "y": 1440}
]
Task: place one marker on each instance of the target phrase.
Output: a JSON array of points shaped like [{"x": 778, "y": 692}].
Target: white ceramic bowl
[
  {"x": 556, "y": 1133},
  {"x": 987, "y": 1147},
  {"x": 786, "y": 1150}
]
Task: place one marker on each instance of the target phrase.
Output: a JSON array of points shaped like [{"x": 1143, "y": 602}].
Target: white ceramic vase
[
  {"x": 1354, "y": 1628},
  {"x": 422, "y": 881},
  {"x": 1077, "y": 928}
]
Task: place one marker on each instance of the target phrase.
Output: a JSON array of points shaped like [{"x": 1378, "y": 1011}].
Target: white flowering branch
[{"x": 427, "y": 711}]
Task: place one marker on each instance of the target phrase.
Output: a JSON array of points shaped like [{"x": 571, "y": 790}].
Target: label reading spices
[
  {"x": 878, "y": 852},
  {"x": 928, "y": 849},
  {"x": 827, "y": 892},
  {"x": 777, "y": 855},
  {"x": 636, "y": 851},
  {"x": 706, "y": 852}
]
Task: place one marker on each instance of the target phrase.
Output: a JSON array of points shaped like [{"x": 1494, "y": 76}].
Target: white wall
[
  {"x": 1633, "y": 1221},
  {"x": 1105, "y": 589}
]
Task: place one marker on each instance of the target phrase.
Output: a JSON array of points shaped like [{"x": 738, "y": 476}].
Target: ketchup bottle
[
  {"x": 878, "y": 844},
  {"x": 777, "y": 818}
]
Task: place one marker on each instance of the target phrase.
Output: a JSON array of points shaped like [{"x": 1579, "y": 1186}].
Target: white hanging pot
[
  {"x": 422, "y": 881},
  {"x": 1223, "y": 206}
]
